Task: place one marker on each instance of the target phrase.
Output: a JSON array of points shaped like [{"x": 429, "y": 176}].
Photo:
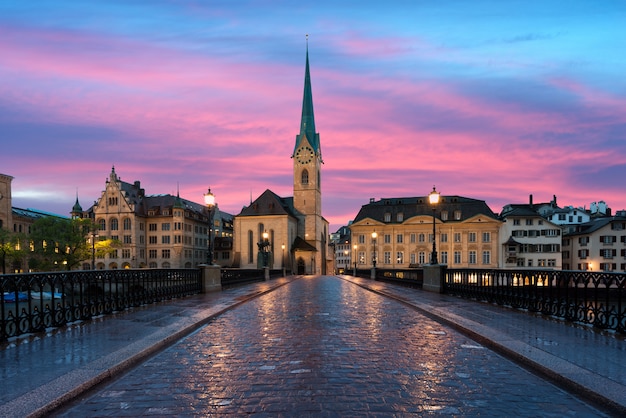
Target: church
[{"x": 289, "y": 232}]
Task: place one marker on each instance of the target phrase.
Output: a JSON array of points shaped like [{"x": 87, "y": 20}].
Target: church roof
[
  {"x": 269, "y": 203},
  {"x": 301, "y": 245}
]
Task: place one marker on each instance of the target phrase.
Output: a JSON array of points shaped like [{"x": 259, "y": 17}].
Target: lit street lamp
[
  {"x": 374, "y": 235},
  {"x": 354, "y": 247},
  {"x": 283, "y": 260},
  {"x": 433, "y": 198},
  {"x": 264, "y": 248},
  {"x": 209, "y": 200},
  {"x": 94, "y": 235}
]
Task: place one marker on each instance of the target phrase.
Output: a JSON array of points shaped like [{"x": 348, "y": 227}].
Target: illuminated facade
[
  {"x": 466, "y": 233},
  {"x": 157, "y": 231},
  {"x": 293, "y": 222}
]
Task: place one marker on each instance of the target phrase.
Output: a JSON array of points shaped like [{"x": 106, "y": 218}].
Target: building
[
  {"x": 6, "y": 205},
  {"x": 289, "y": 232},
  {"x": 597, "y": 245},
  {"x": 528, "y": 239},
  {"x": 154, "y": 231},
  {"x": 398, "y": 233},
  {"x": 341, "y": 242}
]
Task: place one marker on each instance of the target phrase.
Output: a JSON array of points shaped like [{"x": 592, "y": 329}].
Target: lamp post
[
  {"x": 209, "y": 200},
  {"x": 433, "y": 198},
  {"x": 354, "y": 247},
  {"x": 345, "y": 255},
  {"x": 283, "y": 260},
  {"x": 263, "y": 246},
  {"x": 374, "y": 235},
  {"x": 94, "y": 234}
]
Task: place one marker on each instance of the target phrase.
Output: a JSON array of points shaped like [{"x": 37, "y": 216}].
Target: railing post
[
  {"x": 211, "y": 278},
  {"x": 433, "y": 278}
]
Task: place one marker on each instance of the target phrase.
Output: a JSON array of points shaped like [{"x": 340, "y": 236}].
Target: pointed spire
[
  {"x": 77, "y": 210},
  {"x": 307, "y": 122}
]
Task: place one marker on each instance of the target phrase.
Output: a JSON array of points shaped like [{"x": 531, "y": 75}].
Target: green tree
[
  {"x": 60, "y": 243},
  {"x": 11, "y": 248}
]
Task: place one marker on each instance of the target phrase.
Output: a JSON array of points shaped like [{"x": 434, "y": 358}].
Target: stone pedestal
[
  {"x": 433, "y": 278},
  {"x": 373, "y": 273},
  {"x": 211, "y": 278},
  {"x": 266, "y": 273}
]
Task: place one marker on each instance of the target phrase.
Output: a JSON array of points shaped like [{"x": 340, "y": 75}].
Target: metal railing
[
  {"x": 593, "y": 298},
  {"x": 33, "y": 302},
  {"x": 234, "y": 277},
  {"x": 405, "y": 277}
]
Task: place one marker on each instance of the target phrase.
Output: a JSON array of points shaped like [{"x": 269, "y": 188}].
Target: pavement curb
[
  {"x": 594, "y": 388},
  {"x": 53, "y": 395}
]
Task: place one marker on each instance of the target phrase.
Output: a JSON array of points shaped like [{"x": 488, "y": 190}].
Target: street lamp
[
  {"x": 374, "y": 235},
  {"x": 94, "y": 234},
  {"x": 433, "y": 198},
  {"x": 354, "y": 247},
  {"x": 345, "y": 254},
  {"x": 283, "y": 260},
  {"x": 264, "y": 248},
  {"x": 209, "y": 200}
]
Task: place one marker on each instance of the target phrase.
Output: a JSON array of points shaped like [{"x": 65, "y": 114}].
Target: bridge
[{"x": 316, "y": 346}]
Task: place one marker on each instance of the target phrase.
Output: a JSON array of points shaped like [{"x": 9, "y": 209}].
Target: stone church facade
[{"x": 296, "y": 233}]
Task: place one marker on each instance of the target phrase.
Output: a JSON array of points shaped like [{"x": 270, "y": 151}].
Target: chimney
[{"x": 530, "y": 200}]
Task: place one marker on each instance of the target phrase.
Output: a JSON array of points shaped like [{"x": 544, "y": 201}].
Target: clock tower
[{"x": 307, "y": 189}]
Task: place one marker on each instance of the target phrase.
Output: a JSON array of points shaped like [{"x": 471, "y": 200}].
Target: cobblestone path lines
[{"x": 325, "y": 347}]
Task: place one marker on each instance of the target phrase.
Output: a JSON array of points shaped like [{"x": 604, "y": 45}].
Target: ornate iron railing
[
  {"x": 33, "y": 302},
  {"x": 594, "y": 298}
]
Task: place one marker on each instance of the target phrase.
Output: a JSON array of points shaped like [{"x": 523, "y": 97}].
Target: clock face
[{"x": 304, "y": 155}]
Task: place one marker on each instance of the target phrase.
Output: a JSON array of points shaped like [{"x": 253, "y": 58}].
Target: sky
[{"x": 488, "y": 99}]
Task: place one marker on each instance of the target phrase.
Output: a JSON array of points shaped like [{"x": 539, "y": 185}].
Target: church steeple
[{"x": 307, "y": 121}]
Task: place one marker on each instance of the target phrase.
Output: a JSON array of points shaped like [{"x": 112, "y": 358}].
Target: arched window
[
  {"x": 114, "y": 224},
  {"x": 305, "y": 177},
  {"x": 250, "y": 247},
  {"x": 102, "y": 225},
  {"x": 126, "y": 224}
]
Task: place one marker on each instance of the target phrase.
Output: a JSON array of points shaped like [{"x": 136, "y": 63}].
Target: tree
[
  {"x": 10, "y": 248},
  {"x": 60, "y": 243}
]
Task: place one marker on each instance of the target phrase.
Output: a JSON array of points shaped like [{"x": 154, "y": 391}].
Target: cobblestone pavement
[{"x": 322, "y": 346}]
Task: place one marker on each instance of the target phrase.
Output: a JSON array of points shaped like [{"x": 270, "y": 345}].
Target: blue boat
[{"x": 10, "y": 297}]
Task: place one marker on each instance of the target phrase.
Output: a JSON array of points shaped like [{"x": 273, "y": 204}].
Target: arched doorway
[{"x": 301, "y": 265}]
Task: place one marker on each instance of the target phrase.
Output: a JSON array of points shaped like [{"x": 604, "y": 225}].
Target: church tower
[{"x": 307, "y": 189}]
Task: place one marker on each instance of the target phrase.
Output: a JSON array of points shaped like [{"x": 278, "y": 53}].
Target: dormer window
[{"x": 387, "y": 217}]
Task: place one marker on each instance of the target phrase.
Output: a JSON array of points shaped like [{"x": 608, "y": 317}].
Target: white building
[{"x": 528, "y": 240}]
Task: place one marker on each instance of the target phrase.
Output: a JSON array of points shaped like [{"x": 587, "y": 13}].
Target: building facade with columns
[
  {"x": 398, "y": 233},
  {"x": 296, "y": 232}
]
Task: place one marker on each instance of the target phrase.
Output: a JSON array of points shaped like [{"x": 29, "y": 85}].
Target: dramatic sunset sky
[{"x": 488, "y": 99}]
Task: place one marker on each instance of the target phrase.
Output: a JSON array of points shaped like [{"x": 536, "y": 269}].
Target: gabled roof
[
  {"x": 519, "y": 210},
  {"x": 269, "y": 203},
  {"x": 301, "y": 245},
  {"x": 416, "y": 206},
  {"x": 595, "y": 224}
]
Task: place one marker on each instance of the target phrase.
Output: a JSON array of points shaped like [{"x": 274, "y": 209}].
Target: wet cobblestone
[{"x": 326, "y": 347}]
